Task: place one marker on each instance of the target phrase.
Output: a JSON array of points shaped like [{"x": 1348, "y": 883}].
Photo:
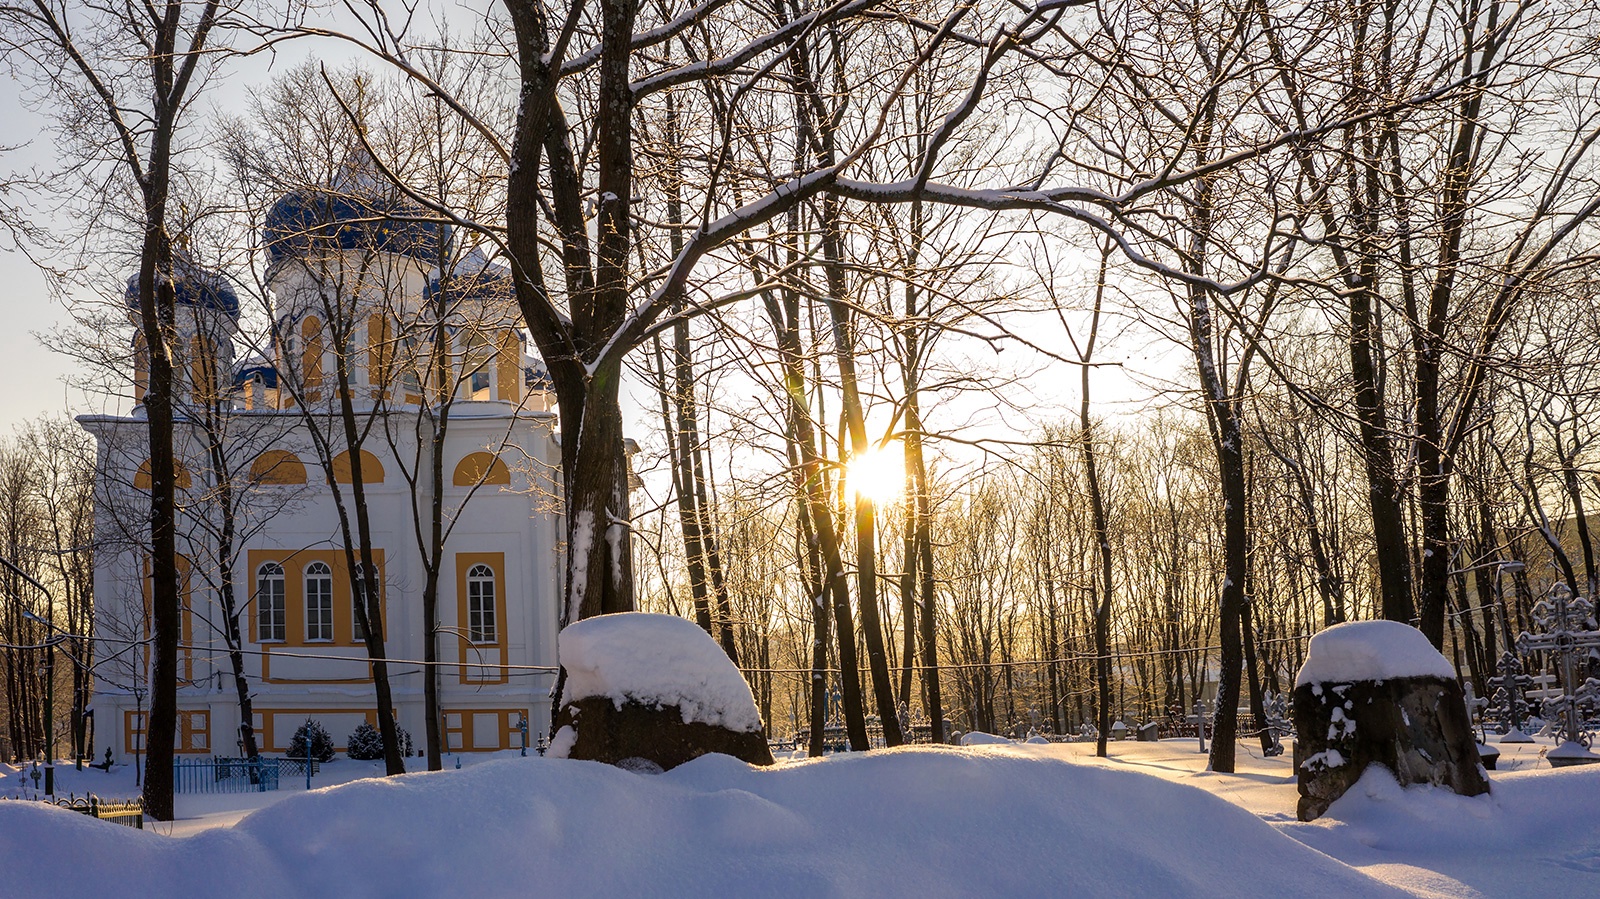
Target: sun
[{"x": 879, "y": 474}]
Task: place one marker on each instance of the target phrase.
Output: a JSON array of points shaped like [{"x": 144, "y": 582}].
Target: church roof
[
  {"x": 358, "y": 219},
  {"x": 475, "y": 279},
  {"x": 256, "y": 367},
  {"x": 194, "y": 286}
]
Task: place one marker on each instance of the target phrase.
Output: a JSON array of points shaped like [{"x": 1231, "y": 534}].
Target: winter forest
[{"x": 1006, "y": 367}]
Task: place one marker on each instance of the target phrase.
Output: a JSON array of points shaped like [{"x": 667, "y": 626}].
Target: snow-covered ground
[
  {"x": 1536, "y": 833},
  {"x": 995, "y": 820}
]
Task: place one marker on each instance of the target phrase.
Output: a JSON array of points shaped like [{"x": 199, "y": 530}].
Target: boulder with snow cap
[
  {"x": 1376, "y": 692},
  {"x": 650, "y": 692}
]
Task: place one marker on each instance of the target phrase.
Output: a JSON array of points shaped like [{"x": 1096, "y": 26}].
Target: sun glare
[{"x": 879, "y": 474}]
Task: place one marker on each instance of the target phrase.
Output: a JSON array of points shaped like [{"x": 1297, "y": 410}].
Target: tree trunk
[
  {"x": 156, "y": 302},
  {"x": 865, "y": 512},
  {"x": 927, "y": 586},
  {"x": 689, "y": 523},
  {"x": 813, "y": 493},
  {"x": 1097, "y": 507}
]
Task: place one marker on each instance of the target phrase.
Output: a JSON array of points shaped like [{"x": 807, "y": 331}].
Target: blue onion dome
[
  {"x": 357, "y": 215},
  {"x": 256, "y": 367},
  {"x": 195, "y": 287},
  {"x": 534, "y": 377}
]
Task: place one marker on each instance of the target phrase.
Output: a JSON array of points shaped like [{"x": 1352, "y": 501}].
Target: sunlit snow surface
[
  {"x": 657, "y": 660},
  {"x": 1370, "y": 650},
  {"x": 1001, "y": 820}
]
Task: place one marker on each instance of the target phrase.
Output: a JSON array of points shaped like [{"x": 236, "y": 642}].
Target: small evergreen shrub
[
  {"x": 366, "y": 744},
  {"x": 317, "y": 735}
]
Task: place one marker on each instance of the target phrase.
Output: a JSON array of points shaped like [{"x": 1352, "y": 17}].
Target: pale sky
[
  {"x": 36, "y": 377},
  {"x": 32, "y": 374}
]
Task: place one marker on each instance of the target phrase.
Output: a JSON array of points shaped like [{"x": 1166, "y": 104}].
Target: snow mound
[
  {"x": 918, "y": 822},
  {"x": 1373, "y": 651},
  {"x": 1573, "y": 751},
  {"x": 979, "y": 738},
  {"x": 657, "y": 660},
  {"x": 1536, "y": 834}
]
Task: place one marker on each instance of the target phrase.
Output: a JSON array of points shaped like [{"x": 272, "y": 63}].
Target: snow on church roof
[
  {"x": 473, "y": 278},
  {"x": 1371, "y": 651}
]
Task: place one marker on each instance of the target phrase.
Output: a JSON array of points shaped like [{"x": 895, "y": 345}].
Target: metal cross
[{"x": 1567, "y": 635}]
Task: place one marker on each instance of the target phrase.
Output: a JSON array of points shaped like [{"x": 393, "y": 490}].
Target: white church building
[{"x": 356, "y": 298}]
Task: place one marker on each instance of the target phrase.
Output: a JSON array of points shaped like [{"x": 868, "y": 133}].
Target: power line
[
  {"x": 213, "y": 654},
  {"x": 209, "y": 650}
]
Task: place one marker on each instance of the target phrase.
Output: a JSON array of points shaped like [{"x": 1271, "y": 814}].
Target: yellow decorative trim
[
  {"x": 279, "y": 467},
  {"x": 371, "y": 468},
  {"x": 480, "y": 465},
  {"x": 458, "y": 724}
]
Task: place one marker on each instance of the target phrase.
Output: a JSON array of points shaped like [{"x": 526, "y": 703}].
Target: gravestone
[
  {"x": 650, "y": 692},
  {"x": 1376, "y": 692}
]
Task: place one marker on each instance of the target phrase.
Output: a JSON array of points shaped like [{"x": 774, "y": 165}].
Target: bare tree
[{"x": 123, "y": 79}]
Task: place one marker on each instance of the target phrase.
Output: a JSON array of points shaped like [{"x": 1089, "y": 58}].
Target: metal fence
[
  {"x": 129, "y": 812},
  {"x": 224, "y": 775},
  {"x": 291, "y": 767},
  {"x": 835, "y": 739}
]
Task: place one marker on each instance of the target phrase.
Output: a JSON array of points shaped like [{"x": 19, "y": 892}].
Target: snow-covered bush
[
  {"x": 366, "y": 744},
  {"x": 313, "y": 732}
]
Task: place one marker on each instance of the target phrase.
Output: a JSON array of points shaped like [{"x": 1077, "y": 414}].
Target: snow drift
[{"x": 912, "y": 822}]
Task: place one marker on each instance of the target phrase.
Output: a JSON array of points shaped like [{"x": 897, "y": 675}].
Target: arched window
[
  {"x": 479, "y": 355},
  {"x": 508, "y": 366},
  {"x": 380, "y": 351},
  {"x": 319, "y": 602},
  {"x": 478, "y": 388},
  {"x": 480, "y": 605},
  {"x": 311, "y": 367},
  {"x": 271, "y": 626}
]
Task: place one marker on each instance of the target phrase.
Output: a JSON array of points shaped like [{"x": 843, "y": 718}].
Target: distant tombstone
[
  {"x": 1489, "y": 756},
  {"x": 1376, "y": 692},
  {"x": 650, "y": 692},
  {"x": 1278, "y": 722},
  {"x": 1149, "y": 732},
  {"x": 1199, "y": 719}
]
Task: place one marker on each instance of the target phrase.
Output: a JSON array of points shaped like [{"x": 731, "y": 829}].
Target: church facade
[{"x": 392, "y": 384}]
